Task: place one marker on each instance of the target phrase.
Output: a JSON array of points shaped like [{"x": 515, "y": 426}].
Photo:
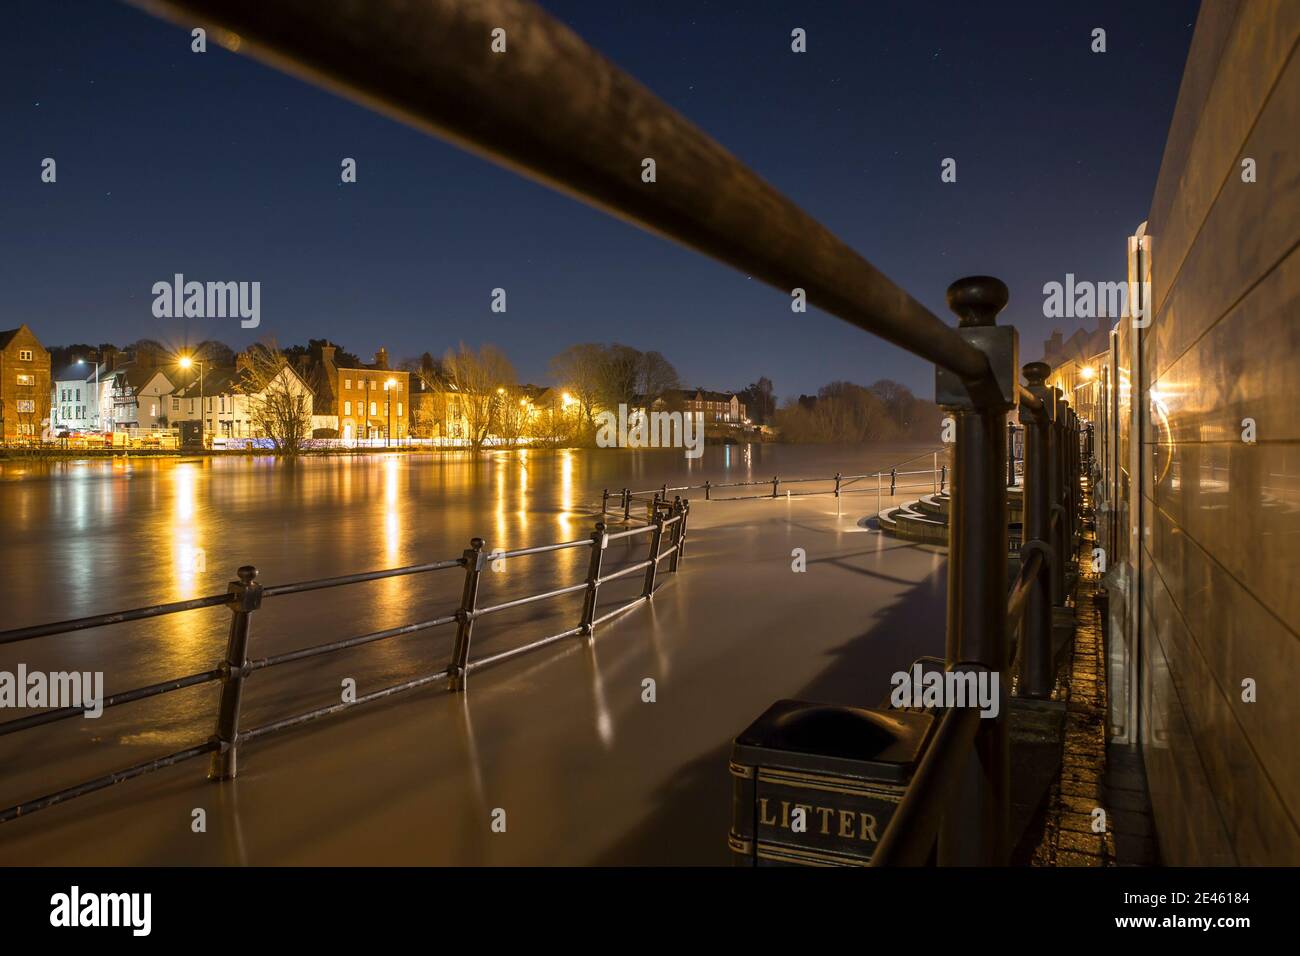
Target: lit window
[
  {"x": 347, "y": 408},
  {"x": 24, "y": 355},
  {"x": 26, "y": 379},
  {"x": 347, "y": 383},
  {"x": 373, "y": 409},
  {"x": 399, "y": 409}
]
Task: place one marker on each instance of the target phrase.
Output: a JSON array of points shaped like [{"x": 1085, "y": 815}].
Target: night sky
[{"x": 221, "y": 168}]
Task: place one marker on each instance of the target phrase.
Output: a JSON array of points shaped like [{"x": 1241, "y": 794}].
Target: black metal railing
[
  {"x": 549, "y": 106},
  {"x": 935, "y": 811},
  {"x": 624, "y": 498},
  {"x": 667, "y": 542}
]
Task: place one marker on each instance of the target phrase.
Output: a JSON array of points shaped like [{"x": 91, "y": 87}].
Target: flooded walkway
[{"x": 561, "y": 740}]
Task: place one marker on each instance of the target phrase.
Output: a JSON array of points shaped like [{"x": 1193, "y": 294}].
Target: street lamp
[
  {"x": 82, "y": 361},
  {"x": 187, "y": 362},
  {"x": 391, "y": 384}
]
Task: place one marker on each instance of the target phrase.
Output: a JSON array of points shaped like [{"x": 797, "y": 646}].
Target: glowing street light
[
  {"x": 186, "y": 361},
  {"x": 391, "y": 384}
]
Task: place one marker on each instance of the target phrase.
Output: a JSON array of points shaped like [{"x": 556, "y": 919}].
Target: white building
[
  {"x": 78, "y": 398},
  {"x": 140, "y": 399},
  {"x": 219, "y": 400}
]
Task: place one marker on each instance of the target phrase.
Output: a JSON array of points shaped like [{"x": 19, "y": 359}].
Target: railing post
[
  {"x": 681, "y": 535},
  {"x": 604, "y": 504},
  {"x": 1011, "y": 455},
  {"x": 934, "y": 475},
  {"x": 245, "y": 598},
  {"x": 1067, "y": 479},
  {"x": 893, "y": 481},
  {"x": 627, "y": 505},
  {"x": 680, "y": 514},
  {"x": 656, "y": 542},
  {"x": 775, "y": 482},
  {"x": 599, "y": 542},
  {"x": 837, "y": 484},
  {"x": 1076, "y": 469},
  {"x": 1036, "y": 671},
  {"x": 457, "y": 669},
  {"x": 976, "y": 830},
  {"x": 707, "y": 488},
  {"x": 1056, "y": 484},
  {"x": 943, "y": 478}
]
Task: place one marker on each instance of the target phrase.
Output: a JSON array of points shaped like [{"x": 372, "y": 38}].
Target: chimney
[
  {"x": 1053, "y": 345},
  {"x": 381, "y": 359},
  {"x": 327, "y": 355}
]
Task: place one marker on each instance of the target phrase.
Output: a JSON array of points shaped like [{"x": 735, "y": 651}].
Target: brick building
[
  {"x": 24, "y": 386},
  {"x": 363, "y": 402}
]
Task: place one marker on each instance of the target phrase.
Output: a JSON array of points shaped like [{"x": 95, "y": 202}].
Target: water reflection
[{"x": 87, "y": 537}]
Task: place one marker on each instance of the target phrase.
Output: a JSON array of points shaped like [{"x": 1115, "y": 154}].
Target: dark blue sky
[{"x": 223, "y": 169}]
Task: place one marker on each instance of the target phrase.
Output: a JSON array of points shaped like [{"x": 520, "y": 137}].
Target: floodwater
[{"x": 733, "y": 629}]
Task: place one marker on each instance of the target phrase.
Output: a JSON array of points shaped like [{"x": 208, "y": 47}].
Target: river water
[{"x": 87, "y": 537}]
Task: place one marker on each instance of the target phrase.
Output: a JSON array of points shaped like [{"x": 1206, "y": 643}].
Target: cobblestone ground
[{"x": 1094, "y": 774}]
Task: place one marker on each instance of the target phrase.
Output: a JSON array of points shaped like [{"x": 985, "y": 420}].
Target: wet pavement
[{"x": 559, "y": 743}]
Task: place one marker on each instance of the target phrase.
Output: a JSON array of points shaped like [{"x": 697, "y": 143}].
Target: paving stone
[
  {"x": 1068, "y": 858},
  {"x": 1091, "y": 843}
]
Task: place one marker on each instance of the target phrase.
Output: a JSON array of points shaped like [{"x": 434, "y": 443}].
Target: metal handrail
[
  {"x": 910, "y": 836},
  {"x": 431, "y": 65},
  {"x": 1029, "y": 571},
  {"x": 842, "y": 481},
  {"x": 244, "y": 597}
]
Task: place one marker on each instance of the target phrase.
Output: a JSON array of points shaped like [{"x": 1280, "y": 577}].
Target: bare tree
[
  {"x": 558, "y": 419},
  {"x": 278, "y": 401},
  {"x": 620, "y": 372},
  {"x": 578, "y": 370},
  {"x": 655, "y": 377},
  {"x": 480, "y": 380},
  {"x": 514, "y": 412}
]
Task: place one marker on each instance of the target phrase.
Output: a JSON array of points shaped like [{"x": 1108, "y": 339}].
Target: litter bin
[{"x": 816, "y": 784}]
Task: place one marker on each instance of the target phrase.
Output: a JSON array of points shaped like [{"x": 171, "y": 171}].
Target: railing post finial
[{"x": 977, "y": 300}]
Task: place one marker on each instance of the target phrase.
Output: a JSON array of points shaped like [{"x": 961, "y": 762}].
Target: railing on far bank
[
  {"x": 887, "y": 483},
  {"x": 666, "y": 533}
]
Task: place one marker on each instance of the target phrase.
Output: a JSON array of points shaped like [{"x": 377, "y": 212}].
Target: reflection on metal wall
[{"x": 1201, "y": 458}]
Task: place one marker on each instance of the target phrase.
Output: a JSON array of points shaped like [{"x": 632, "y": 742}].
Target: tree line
[{"x": 846, "y": 413}]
